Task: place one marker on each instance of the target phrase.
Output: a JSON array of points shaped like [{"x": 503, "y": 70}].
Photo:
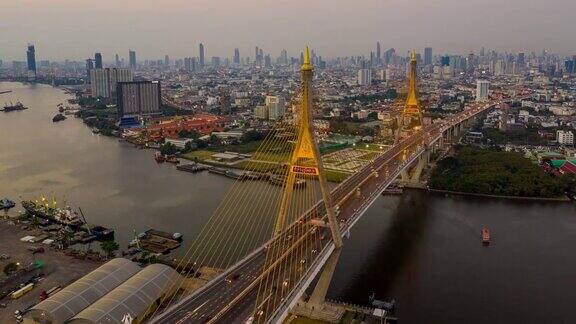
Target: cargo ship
[
  {"x": 65, "y": 216},
  {"x": 14, "y": 107}
]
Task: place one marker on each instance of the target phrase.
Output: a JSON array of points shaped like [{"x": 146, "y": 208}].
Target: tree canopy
[{"x": 493, "y": 172}]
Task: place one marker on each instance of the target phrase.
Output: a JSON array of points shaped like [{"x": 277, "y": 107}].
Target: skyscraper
[
  {"x": 132, "y": 59},
  {"x": 31, "y": 58},
  {"x": 428, "y": 56},
  {"x": 89, "y": 67},
  {"x": 364, "y": 77},
  {"x": 98, "y": 61},
  {"x": 104, "y": 81},
  {"x": 166, "y": 61},
  {"x": 117, "y": 58},
  {"x": 236, "y": 56},
  {"x": 201, "y": 50},
  {"x": 482, "y": 90},
  {"x": 138, "y": 98},
  {"x": 378, "y": 53}
]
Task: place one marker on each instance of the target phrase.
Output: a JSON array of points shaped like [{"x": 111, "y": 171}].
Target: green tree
[
  {"x": 109, "y": 247},
  {"x": 168, "y": 149},
  {"x": 10, "y": 267}
]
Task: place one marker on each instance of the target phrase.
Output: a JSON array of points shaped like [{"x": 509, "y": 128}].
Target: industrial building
[{"x": 116, "y": 290}]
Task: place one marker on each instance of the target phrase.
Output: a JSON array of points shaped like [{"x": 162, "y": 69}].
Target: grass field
[
  {"x": 200, "y": 155},
  {"x": 245, "y": 148},
  {"x": 267, "y": 161},
  {"x": 336, "y": 176}
]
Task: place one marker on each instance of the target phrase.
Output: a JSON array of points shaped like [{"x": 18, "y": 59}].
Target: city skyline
[{"x": 331, "y": 29}]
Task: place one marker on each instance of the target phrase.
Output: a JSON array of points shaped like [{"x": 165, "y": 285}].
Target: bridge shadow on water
[{"x": 389, "y": 255}]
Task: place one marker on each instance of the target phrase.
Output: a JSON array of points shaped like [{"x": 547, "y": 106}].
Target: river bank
[{"x": 471, "y": 194}]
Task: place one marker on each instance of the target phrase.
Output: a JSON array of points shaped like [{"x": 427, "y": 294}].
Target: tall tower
[
  {"x": 98, "y": 61},
  {"x": 201, "y": 55},
  {"x": 306, "y": 158},
  {"x": 31, "y": 59},
  {"x": 412, "y": 113},
  {"x": 132, "y": 59}
]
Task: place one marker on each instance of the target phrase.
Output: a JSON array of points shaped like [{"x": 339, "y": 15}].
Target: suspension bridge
[{"x": 270, "y": 242}]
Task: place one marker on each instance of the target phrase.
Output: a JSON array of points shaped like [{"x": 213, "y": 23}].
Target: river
[{"x": 423, "y": 250}]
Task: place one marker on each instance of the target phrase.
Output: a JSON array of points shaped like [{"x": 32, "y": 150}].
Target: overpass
[{"x": 265, "y": 284}]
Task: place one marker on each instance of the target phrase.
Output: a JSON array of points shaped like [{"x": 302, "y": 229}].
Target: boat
[
  {"x": 95, "y": 130},
  {"x": 160, "y": 158},
  {"x": 6, "y": 204},
  {"x": 14, "y": 107},
  {"x": 485, "y": 236},
  {"x": 65, "y": 216},
  {"x": 172, "y": 159},
  {"x": 101, "y": 231},
  {"x": 61, "y": 109},
  {"x": 58, "y": 117}
]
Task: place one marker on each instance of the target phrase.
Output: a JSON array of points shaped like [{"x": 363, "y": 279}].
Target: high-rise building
[
  {"x": 224, "y": 101},
  {"x": 364, "y": 77},
  {"x": 31, "y": 58},
  {"x": 445, "y": 60},
  {"x": 104, "y": 81},
  {"x": 132, "y": 59},
  {"x": 166, "y": 61},
  {"x": 236, "y": 56},
  {"x": 117, "y": 59},
  {"x": 482, "y": 90},
  {"x": 275, "y": 106},
  {"x": 378, "y": 53},
  {"x": 428, "y": 56},
  {"x": 565, "y": 137},
  {"x": 98, "y": 61},
  {"x": 201, "y": 55},
  {"x": 188, "y": 64},
  {"x": 216, "y": 61},
  {"x": 521, "y": 60},
  {"x": 89, "y": 67},
  {"x": 261, "y": 112},
  {"x": 138, "y": 98}
]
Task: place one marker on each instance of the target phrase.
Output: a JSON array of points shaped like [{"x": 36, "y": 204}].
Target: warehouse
[{"x": 82, "y": 293}]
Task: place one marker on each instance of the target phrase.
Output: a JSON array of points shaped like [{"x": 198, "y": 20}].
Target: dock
[
  {"x": 192, "y": 167},
  {"x": 158, "y": 242}
]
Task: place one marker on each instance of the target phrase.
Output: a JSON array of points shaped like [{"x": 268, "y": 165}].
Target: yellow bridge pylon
[
  {"x": 306, "y": 158},
  {"x": 412, "y": 112}
]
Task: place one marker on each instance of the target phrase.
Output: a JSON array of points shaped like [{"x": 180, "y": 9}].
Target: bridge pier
[
  {"x": 319, "y": 294},
  {"x": 316, "y": 307}
]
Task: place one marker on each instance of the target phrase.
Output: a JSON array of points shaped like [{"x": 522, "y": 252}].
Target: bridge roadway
[{"x": 227, "y": 301}]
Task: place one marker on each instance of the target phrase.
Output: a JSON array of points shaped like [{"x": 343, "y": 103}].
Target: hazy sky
[{"x": 75, "y": 29}]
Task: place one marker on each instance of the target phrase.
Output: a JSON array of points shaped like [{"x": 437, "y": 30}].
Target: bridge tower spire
[
  {"x": 412, "y": 112},
  {"x": 306, "y": 158}
]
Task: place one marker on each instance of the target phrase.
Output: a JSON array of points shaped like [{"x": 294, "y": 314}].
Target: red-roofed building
[
  {"x": 568, "y": 167},
  {"x": 170, "y": 127}
]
